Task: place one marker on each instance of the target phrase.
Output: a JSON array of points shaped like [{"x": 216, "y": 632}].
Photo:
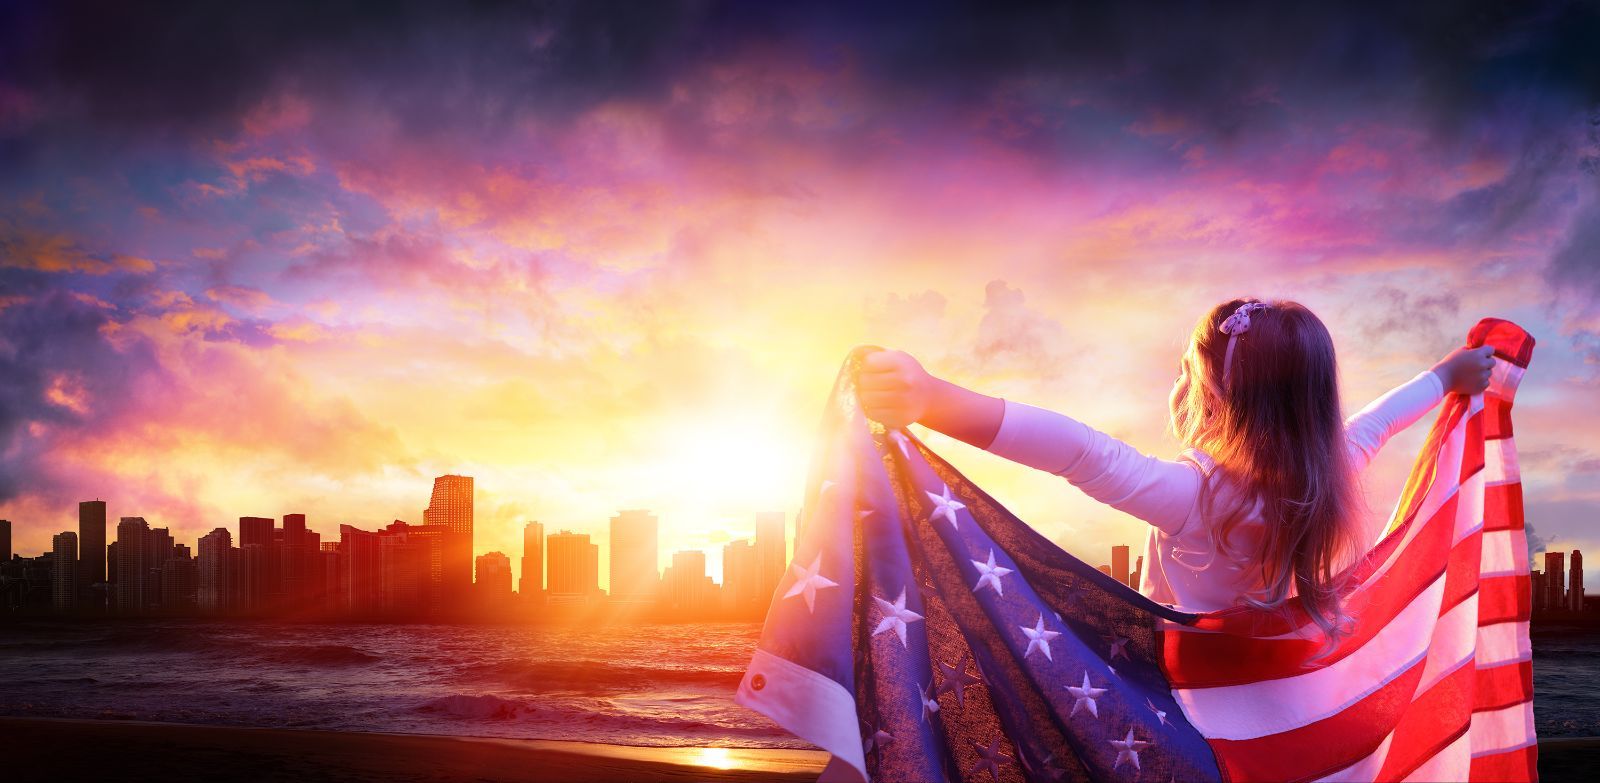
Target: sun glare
[{"x": 717, "y": 758}]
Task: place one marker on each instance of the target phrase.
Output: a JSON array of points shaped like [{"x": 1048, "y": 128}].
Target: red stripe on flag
[
  {"x": 1503, "y": 686},
  {"x": 1195, "y": 659},
  {"x": 1502, "y": 507},
  {"x": 1431, "y": 722},
  {"x": 1512, "y": 765},
  {"x": 1504, "y": 598},
  {"x": 1322, "y": 747}
]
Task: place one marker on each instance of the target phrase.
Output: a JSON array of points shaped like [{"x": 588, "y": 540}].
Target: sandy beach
[
  {"x": 88, "y": 749},
  {"x": 72, "y": 749}
]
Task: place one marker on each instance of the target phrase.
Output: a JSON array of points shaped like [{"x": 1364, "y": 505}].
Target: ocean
[{"x": 653, "y": 685}]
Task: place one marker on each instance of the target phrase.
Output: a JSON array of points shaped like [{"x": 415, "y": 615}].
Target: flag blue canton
[{"x": 925, "y": 633}]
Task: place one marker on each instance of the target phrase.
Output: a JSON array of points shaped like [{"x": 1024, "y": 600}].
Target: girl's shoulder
[{"x": 1200, "y": 460}]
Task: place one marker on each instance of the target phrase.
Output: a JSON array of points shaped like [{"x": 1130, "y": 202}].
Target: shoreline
[{"x": 146, "y": 750}]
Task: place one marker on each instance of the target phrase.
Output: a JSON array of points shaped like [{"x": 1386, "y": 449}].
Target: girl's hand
[
  {"x": 893, "y": 388},
  {"x": 1466, "y": 370}
]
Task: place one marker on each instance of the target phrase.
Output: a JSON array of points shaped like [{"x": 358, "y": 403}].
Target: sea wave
[
  {"x": 320, "y": 655},
  {"x": 589, "y": 674}
]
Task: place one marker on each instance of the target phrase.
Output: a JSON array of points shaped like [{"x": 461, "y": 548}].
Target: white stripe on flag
[
  {"x": 1497, "y": 731},
  {"x": 1500, "y": 462},
  {"x": 1469, "y": 508},
  {"x": 1239, "y": 712},
  {"x": 1503, "y": 643},
  {"x": 1505, "y": 553},
  {"x": 1446, "y": 483},
  {"x": 1504, "y": 378},
  {"x": 1453, "y": 641}
]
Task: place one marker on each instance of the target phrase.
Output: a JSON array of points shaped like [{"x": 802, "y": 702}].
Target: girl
[{"x": 1261, "y": 506}]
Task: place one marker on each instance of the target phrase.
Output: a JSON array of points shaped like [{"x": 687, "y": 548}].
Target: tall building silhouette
[
  {"x": 1554, "y": 571},
  {"x": 5, "y": 540},
  {"x": 574, "y": 567},
  {"x": 433, "y": 544},
  {"x": 64, "y": 576},
  {"x": 159, "y": 545},
  {"x": 688, "y": 589},
  {"x": 256, "y": 562},
  {"x": 133, "y": 566},
  {"x": 531, "y": 585},
  {"x": 179, "y": 582},
  {"x": 1119, "y": 563},
  {"x": 772, "y": 555},
  {"x": 362, "y": 586},
  {"x": 493, "y": 582},
  {"x": 635, "y": 577},
  {"x": 450, "y": 506},
  {"x": 406, "y": 584},
  {"x": 1575, "y": 587},
  {"x": 91, "y": 551},
  {"x": 295, "y": 559},
  {"x": 217, "y": 567},
  {"x": 741, "y": 578}
]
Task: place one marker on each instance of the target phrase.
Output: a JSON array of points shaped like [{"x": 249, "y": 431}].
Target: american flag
[{"x": 923, "y": 632}]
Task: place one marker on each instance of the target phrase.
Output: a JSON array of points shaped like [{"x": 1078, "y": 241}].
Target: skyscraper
[
  {"x": 741, "y": 578},
  {"x": 255, "y": 548},
  {"x": 1575, "y": 587},
  {"x": 64, "y": 574},
  {"x": 1555, "y": 571},
  {"x": 688, "y": 589},
  {"x": 133, "y": 567},
  {"x": 574, "y": 567},
  {"x": 635, "y": 577},
  {"x": 295, "y": 559},
  {"x": 5, "y": 539},
  {"x": 1119, "y": 563},
  {"x": 91, "y": 548},
  {"x": 160, "y": 545},
  {"x": 772, "y": 555},
  {"x": 362, "y": 587},
  {"x": 216, "y": 571},
  {"x": 532, "y": 584},
  {"x": 493, "y": 583},
  {"x": 451, "y": 507}
]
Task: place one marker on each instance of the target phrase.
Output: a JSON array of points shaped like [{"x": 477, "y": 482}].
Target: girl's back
[{"x": 1262, "y": 505}]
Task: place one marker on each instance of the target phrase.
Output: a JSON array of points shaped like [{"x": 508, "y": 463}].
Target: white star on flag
[
  {"x": 807, "y": 581},
  {"x": 930, "y": 705},
  {"x": 990, "y": 759},
  {"x": 895, "y": 616},
  {"x": 877, "y": 740},
  {"x": 1119, "y": 646},
  {"x": 1160, "y": 716},
  {"x": 945, "y": 506},
  {"x": 956, "y": 678},
  {"x": 1085, "y": 695},
  {"x": 899, "y": 439},
  {"x": 1039, "y": 638},
  {"x": 1128, "y": 750},
  {"x": 827, "y": 484},
  {"x": 989, "y": 574}
]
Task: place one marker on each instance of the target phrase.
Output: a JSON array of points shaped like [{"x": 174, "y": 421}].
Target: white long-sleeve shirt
[{"x": 1181, "y": 566}]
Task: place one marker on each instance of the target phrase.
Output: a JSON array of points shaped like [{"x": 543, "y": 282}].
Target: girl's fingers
[{"x": 882, "y": 381}]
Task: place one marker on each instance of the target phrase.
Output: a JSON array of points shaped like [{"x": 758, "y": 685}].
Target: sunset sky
[{"x": 611, "y": 256}]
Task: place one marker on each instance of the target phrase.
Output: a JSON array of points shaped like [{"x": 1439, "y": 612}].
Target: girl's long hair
[{"x": 1275, "y": 428}]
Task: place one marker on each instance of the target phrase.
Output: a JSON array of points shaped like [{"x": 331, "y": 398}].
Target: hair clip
[{"x": 1233, "y": 326}]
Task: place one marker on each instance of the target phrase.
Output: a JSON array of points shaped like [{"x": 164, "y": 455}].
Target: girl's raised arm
[{"x": 896, "y": 390}]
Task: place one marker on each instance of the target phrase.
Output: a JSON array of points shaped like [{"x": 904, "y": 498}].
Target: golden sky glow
[{"x": 314, "y": 307}]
